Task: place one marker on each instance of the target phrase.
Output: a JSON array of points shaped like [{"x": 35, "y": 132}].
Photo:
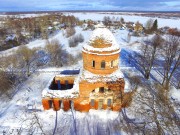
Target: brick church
[{"x": 98, "y": 85}]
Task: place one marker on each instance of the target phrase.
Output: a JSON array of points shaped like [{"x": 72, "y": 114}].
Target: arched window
[
  {"x": 101, "y": 89},
  {"x": 103, "y": 64},
  {"x": 93, "y": 64},
  {"x": 109, "y": 102},
  {"x": 112, "y": 64}
]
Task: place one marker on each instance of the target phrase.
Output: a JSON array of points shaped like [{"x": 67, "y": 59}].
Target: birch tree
[
  {"x": 171, "y": 55},
  {"x": 149, "y": 54}
]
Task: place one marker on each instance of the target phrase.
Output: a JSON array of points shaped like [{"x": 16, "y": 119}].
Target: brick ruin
[{"x": 98, "y": 85}]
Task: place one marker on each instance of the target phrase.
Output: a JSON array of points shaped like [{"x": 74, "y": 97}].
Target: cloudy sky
[{"x": 42, "y": 5}]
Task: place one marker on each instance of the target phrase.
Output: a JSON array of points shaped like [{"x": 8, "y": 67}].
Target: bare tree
[
  {"x": 149, "y": 54},
  {"x": 54, "y": 49},
  {"x": 134, "y": 82},
  {"x": 70, "y": 31},
  {"x": 5, "y": 83},
  {"x": 171, "y": 55},
  {"x": 122, "y": 20},
  {"x": 7, "y": 74},
  {"x": 113, "y": 19},
  {"x": 106, "y": 20},
  {"x": 128, "y": 37},
  {"x": 32, "y": 124},
  {"x": 149, "y": 24},
  {"x": 27, "y": 57},
  {"x": 153, "y": 111}
]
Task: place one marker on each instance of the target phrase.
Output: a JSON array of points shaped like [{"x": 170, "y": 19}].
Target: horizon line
[{"x": 41, "y": 11}]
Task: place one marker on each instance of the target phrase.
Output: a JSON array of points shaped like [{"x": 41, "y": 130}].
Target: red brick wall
[
  {"x": 88, "y": 58},
  {"x": 56, "y": 104},
  {"x": 63, "y": 79},
  {"x": 85, "y": 88}
]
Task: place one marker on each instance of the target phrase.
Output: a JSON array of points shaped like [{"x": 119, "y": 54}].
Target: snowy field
[
  {"x": 174, "y": 23},
  {"x": 25, "y": 15},
  {"x": 16, "y": 113}
]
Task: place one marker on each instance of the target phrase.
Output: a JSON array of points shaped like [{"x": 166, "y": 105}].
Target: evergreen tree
[{"x": 155, "y": 25}]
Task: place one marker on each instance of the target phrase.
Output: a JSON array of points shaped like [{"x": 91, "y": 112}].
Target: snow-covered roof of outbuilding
[{"x": 101, "y": 39}]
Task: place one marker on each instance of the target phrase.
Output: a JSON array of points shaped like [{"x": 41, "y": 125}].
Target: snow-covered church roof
[{"x": 101, "y": 39}]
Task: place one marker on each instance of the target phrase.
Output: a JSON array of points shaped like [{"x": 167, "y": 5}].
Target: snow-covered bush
[
  {"x": 79, "y": 38},
  {"x": 75, "y": 40},
  {"x": 72, "y": 42}
]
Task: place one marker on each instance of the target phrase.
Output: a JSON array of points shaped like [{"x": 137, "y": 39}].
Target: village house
[{"x": 99, "y": 84}]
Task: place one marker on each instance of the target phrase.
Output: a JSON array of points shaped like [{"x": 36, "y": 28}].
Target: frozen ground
[
  {"x": 174, "y": 23},
  {"x": 15, "y": 113},
  {"x": 25, "y": 15}
]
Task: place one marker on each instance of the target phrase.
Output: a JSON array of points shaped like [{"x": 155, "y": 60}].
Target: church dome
[
  {"x": 101, "y": 40},
  {"x": 101, "y": 53}
]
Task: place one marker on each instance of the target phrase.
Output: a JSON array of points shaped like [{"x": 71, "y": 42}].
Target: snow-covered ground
[
  {"x": 26, "y": 103},
  {"x": 25, "y": 15},
  {"x": 174, "y": 23},
  {"x": 17, "y": 112}
]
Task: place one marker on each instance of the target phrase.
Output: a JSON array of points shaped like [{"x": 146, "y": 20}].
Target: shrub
[
  {"x": 80, "y": 38},
  {"x": 72, "y": 42},
  {"x": 75, "y": 40}
]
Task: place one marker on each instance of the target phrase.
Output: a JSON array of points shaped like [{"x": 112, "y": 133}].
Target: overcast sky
[{"x": 43, "y": 5}]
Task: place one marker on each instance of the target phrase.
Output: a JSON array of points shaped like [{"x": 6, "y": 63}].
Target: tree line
[
  {"x": 163, "y": 54},
  {"x": 24, "y": 30},
  {"x": 16, "y": 67}
]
